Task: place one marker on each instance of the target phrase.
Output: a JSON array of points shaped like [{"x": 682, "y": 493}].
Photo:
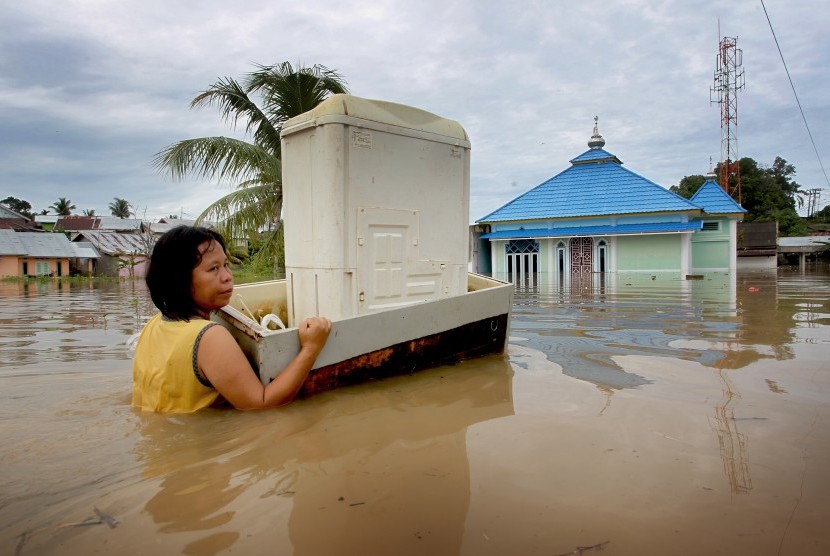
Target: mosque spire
[
  {"x": 711, "y": 175},
  {"x": 596, "y": 142}
]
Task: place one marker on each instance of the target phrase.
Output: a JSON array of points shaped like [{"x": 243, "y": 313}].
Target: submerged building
[{"x": 598, "y": 218}]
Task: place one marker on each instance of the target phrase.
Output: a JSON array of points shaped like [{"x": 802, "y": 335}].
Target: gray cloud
[{"x": 90, "y": 92}]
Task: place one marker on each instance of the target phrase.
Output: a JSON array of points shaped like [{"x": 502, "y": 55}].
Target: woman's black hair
[{"x": 170, "y": 275}]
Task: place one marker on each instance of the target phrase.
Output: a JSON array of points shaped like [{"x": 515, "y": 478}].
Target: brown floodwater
[{"x": 638, "y": 416}]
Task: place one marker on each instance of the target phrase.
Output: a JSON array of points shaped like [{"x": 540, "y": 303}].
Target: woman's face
[{"x": 212, "y": 283}]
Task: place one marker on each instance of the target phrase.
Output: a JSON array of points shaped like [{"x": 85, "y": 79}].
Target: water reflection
[
  {"x": 384, "y": 453},
  {"x": 662, "y": 415},
  {"x": 66, "y": 320},
  {"x": 733, "y": 444},
  {"x": 722, "y": 321}
]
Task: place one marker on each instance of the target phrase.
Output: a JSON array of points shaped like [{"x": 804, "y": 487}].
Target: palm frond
[
  {"x": 235, "y": 104},
  {"x": 288, "y": 91},
  {"x": 247, "y": 210},
  {"x": 221, "y": 158}
]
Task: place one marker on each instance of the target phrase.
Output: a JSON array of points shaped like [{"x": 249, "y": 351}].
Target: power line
[{"x": 803, "y": 117}]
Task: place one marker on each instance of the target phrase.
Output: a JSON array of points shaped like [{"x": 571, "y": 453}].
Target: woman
[{"x": 183, "y": 361}]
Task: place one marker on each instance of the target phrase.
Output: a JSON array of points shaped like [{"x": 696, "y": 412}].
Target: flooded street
[{"x": 644, "y": 415}]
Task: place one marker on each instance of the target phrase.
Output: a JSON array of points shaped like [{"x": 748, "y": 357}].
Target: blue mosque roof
[
  {"x": 596, "y": 184},
  {"x": 714, "y": 200}
]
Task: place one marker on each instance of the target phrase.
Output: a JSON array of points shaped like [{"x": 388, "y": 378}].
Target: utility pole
[
  {"x": 813, "y": 199},
  {"x": 729, "y": 79}
]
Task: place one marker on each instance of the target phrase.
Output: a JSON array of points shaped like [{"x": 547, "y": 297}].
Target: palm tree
[
  {"x": 254, "y": 168},
  {"x": 120, "y": 208},
  {"x": 62, "y": 206},
  {"x": 89, "y": 212}
]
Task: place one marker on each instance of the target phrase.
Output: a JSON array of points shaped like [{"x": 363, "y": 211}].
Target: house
[
  {"x": 11, "y": 220},
  {"x": 36, "y": 254},
  {"x": 598, "y": 218},
  {"x": 758, "y": 245},
  {"x": 120, "y": 254},
  {"x": 715, "y": 246},
  {"x": 46, "y": 221}
]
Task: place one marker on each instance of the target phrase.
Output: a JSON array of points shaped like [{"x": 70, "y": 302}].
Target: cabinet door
[{"x": 390, "y": 270}]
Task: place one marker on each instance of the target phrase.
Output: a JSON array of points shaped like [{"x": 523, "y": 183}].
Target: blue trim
[{"x": 623, "y": 229}]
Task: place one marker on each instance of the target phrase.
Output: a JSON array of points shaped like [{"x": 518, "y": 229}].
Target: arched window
[
  {"x": 602, "y": 256},
  {"x": 561, "y": 260}
]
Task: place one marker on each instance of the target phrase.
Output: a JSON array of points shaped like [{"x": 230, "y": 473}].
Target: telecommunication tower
[{"x": 729, "y": 79}]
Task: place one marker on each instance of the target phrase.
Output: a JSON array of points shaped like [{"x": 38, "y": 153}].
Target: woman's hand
[{"x": 314, "y": 332}]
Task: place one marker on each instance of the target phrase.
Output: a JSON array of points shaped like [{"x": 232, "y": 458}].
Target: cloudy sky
[{"x": 90, "y": 90}]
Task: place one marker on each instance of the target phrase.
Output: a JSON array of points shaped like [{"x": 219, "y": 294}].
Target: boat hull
[{"x": 375, "y": 345}]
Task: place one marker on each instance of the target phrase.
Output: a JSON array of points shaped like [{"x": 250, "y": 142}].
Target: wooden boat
[{"x": 375, "y": 345}]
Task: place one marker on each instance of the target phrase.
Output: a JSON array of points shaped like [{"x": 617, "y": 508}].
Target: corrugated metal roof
[
  {"x": 6, "y": 212},
  {"x": 714, "y": 200},
  {"x": 75, "y": 222},
  {"x": 114, "y": 243},
  {"x": 169, "y": 224},
  {"x": 804, "y": 241},
  {"x": 20, "y": 224},
  {"x": 9, "y": 244},
  {"x": 608, "y": 230},
  {"x": 36, "y": 244},
  {"x": 85, "y": 250},
  {"x": 595, "y": 185},
  {"x": 115, "y": 223}
]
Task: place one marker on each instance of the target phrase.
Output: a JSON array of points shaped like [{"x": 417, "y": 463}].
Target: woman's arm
[{"x": 221, "y": 360}]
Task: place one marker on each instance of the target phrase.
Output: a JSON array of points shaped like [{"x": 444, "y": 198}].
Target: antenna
[{"x": 729, "y": 79}]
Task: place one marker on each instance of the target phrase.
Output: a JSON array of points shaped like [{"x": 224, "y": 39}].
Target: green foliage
[
  {"x": 254, "y": 168},
  {"x": 19, "y": 206},
  {"x": 62, "y": 207},
  {"x": 120, "y": 208},
  {"x": 790, "y": 224},
  {"x": 255, "y": 269},
  {"x": 766, "y": 193},
  {"x": 688, "y": 186},
  {"x": 823, "y": 215}
]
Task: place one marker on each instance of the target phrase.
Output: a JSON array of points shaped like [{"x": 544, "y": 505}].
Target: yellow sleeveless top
[{"x": 165, "y": 373}]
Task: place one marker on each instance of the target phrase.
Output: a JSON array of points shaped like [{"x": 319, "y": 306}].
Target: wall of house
[
  {"x": 714, "y": 250},
  {"x": 9, "y": 265},
  {"x": 107, "y": 266},
  {"x": 657, "y": 253},
  {"x": 43, "y": 267},
  {"x": 138, "y": 271},
  {"x": 636, "y": 253},
  {"x": 710, "y": 248},
  {"x": 497, "y": 262}
]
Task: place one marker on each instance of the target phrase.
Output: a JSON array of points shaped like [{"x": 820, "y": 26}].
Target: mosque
[{"x": 597, "y": 218}]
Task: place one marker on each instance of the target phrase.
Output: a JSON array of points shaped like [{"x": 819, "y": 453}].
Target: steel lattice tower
[{"x": 729, "y": 79}]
